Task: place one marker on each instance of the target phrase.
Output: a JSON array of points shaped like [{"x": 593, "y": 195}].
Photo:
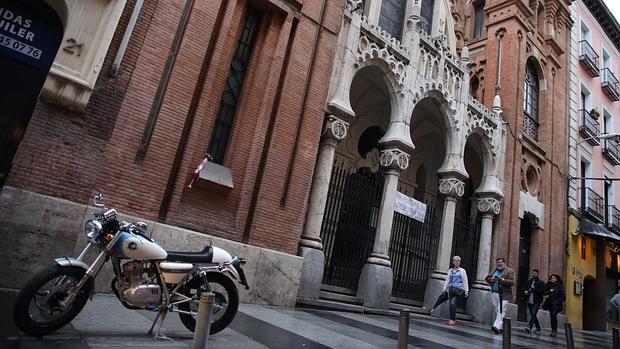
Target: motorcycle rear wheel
[
  {"x": 226, "y": 302},
  {"x": 38, "y": 309}
]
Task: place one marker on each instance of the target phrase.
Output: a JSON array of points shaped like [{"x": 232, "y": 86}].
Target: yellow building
[{"x": 592, "y": 273}]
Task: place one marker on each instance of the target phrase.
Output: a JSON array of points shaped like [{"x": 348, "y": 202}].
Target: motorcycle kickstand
[{"x": 158, "y": 335}]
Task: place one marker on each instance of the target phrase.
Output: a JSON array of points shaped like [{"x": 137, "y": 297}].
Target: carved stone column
[
  {"x": 375, "y": 284},
  {"x": 310, "y": 247},
  {"x": 451, "y": 188},
  {"x": 479, "y": 295}
]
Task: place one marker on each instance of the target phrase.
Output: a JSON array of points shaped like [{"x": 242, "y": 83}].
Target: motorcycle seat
[{"x": 204, "y": 256}]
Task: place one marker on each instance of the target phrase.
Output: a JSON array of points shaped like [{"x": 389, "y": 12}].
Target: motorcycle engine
[{"x": 137, "y": 286}]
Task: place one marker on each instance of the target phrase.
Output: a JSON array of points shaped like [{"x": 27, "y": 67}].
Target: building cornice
[{"x": 606, "y": 19}]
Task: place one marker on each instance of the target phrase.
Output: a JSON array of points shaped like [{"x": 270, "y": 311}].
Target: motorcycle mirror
[{"x": 98, "y": 197}]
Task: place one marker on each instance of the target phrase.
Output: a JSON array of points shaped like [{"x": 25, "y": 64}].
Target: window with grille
[
  {"x": 426, "y": 15},
  {"x": 530, "y": 102},
  {"x": 391, "y": 17},
  {"x": 220, "y": 135},
  {"x": 478, "y": 19}
]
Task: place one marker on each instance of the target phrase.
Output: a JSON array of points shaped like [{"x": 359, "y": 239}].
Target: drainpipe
[{"x": 120, "y": 54}]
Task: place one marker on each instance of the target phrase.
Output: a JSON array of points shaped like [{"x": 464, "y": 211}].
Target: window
[
  {"x": 609, "y": 201},
  {"x": 606, "y": 59},
  {"x": 586, "y": 34},
  {"x": 586, "y": 172},
  {"x": 530, "y": 102},
  {"x": 426, "y": 15},
  {"x": 391, "y": 17},
  {"x": 607, "y": 126},
  {"x": 478, "y": 19},
  {"x": 232, "y": 90},
  {"x": 473, "y": 87}
]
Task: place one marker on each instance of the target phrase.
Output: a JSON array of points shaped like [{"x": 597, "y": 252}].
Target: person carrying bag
[{"x": 456, "y": 286}]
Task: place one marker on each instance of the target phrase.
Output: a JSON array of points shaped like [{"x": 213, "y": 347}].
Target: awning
[{"x": 588, "y": 227}]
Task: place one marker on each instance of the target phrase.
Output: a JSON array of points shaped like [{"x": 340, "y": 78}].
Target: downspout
[{"x": 120, "y": 54}]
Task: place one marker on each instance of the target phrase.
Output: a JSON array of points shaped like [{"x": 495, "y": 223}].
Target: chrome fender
[{"x": 70, "y": 262}]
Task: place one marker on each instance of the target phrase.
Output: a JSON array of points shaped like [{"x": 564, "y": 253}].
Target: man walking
[
  {"x": 533, "y": 294},
  {"x": 501, "y": 281}
]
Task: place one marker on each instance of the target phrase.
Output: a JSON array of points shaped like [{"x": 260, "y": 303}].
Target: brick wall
[{"x": 274, "y": 140}]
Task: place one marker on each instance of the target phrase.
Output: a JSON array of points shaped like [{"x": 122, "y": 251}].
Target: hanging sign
[
  {"x": 29, "y": 33},
  {"x": 410, "y": 207}
]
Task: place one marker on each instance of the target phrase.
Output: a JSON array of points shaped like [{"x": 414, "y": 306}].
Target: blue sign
[{"x": 30, "y": 32}]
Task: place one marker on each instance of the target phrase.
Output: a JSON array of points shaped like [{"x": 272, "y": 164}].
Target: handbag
[{"x": 457, "y": 291}]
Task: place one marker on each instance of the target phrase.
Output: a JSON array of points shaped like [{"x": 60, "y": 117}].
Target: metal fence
[{"x": 413, "y": 251}]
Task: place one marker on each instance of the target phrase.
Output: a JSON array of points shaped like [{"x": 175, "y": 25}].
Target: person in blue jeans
[
  {"x": 533, "y": 294},
  {"x": 456, "y": 285}
]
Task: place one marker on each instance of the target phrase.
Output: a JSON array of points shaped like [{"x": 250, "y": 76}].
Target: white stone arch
[{"x": 490, "y": 182}]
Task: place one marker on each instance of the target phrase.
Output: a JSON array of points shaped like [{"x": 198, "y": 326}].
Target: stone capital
[
  {"x": 451, "y": 187},
  {"x": 334, "y": 129},
  {"x": 489, "y": 206},
  {"x": 394, "y": 159}
]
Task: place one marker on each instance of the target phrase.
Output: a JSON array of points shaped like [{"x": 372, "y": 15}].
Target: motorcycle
[{"x": 145, "y": 277}]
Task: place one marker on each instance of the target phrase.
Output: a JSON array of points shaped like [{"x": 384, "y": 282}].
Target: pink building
[{"x": 594, "y": 166}]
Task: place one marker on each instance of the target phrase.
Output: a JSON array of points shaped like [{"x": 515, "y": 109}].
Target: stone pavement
[{"x": 105, "y": 323}]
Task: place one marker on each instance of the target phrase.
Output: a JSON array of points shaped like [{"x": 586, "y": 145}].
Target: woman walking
[
  {"x": 456, "y": 285},
  {"x": 554, "y": 290}
]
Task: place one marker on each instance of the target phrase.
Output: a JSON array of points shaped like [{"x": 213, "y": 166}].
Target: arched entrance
[
  {"x": 30, "y": 34},
  {"x": 354, "y": 196},
  {"x": 413, "y": 244},
  {"x": 523, "y": 272},
  {"x": 590, "y": 315}
]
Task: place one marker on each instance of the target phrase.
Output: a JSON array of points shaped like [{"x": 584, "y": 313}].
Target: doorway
[
  {"x": 30, "y": 34},
  {"x": 525, "y": 246}
]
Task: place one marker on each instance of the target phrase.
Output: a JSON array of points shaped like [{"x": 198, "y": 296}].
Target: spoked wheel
[
  {"x": 225, "y": 304},
  {"x": 39, "y": 308}
]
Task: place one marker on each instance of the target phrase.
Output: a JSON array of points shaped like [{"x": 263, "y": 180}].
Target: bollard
[
  {"x": 568, "y": 329},
  {"x": 203, "y": 321},
  {"x": 403, "y": 329},
  {"x": 506, "y": 334},
  {"x": 616, "y": 338}
]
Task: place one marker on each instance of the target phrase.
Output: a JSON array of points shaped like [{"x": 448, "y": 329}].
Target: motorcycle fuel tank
[{"x": 136, "y": 247}]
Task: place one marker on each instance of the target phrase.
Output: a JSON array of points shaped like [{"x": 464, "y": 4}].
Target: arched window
[
  {"x": 478, "y": 18},
  {"x": 473, "y": 87},
  {"x": 530, "y": 101}
]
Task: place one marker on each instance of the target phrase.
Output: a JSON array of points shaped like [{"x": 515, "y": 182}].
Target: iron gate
[
  {"x": 349, "y": 224},
  {"x": 413, "y": 251},
  {"x": 465, "y": 245}
]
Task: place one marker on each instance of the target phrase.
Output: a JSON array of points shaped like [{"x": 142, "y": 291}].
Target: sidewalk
[{"x": 105, "y": 323}]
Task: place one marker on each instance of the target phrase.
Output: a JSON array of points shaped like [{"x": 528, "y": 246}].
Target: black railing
[
  {"x": 349, "y": 224},
  {"x": 465, "y": 245},
  {"x": 610, "y": 84},
  {"x": 589, "y": 128},
  {"x": 611, "y": 151},
  {"x": 589, "y": 58},
  {"x": 613, "y": 219},
  {"x": 530, "y": 127},
  {"x": 413, "y": 251},
  {"x": 593, "y": 204}
]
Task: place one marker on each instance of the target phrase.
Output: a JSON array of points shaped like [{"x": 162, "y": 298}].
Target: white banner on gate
[{"x": 410, "y": 207}]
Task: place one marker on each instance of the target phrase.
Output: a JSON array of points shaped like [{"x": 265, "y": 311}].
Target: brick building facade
[
  {"x": 521, "y": 48},
  {"x": 259, "y": 70}
]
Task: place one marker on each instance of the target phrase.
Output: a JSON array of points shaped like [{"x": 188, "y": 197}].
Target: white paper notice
[{"x": 410, "y": 207}]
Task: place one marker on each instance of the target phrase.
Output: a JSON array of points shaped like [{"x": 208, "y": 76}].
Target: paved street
[{"x": 105, "y": 323}]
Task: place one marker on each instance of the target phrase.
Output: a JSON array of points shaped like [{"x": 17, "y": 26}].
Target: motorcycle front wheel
[
  {"x": 225, "y": 305},
  {"x": 39, "y": 309}
]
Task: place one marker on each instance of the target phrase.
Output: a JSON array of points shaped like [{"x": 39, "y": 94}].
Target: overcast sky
[{"x": 614, "y": 6}]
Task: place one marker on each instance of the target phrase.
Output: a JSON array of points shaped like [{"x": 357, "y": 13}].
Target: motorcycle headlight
[{"x": 92, "y": 229}]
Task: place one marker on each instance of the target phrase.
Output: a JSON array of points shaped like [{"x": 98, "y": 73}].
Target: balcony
[
  {"x": 530, "y": 127},
  {"x": 593, "y": 205},
  {"x": 613, "y": 219},
  {"x": 610, "y": 84},
  {"x": 589, "y": 128},
  {"x": 588, "y": 58},
  {"x": 611, "y": 151}
]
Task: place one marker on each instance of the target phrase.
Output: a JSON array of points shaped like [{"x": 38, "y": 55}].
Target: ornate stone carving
[
  {"x": 489, "y": 205},
  {"x": 451, "y": 187},
  {"x": 354, "y": 5},
  {"x": 394, "y": 159},
  {"x": 334, "y": 129},
  {"x": 368, "y": 50}
]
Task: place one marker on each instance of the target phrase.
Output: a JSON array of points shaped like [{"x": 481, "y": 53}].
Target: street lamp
[{"x": 613, "y": 136}]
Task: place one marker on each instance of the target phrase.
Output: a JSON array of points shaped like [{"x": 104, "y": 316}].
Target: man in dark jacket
[{"x": 533, "y": 294}]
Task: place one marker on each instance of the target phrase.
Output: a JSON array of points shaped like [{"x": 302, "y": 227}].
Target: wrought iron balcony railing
[
  {"x": 589, "y": 128},
  {"x": 593, "y": 204},
  {"x": 611, "y": 151},
  {"x": 589, "y": 58},
  {"x": 530, "y": 126},
  {"x": 613, "y": 219},
  {"x": 610, "y": 84}
]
